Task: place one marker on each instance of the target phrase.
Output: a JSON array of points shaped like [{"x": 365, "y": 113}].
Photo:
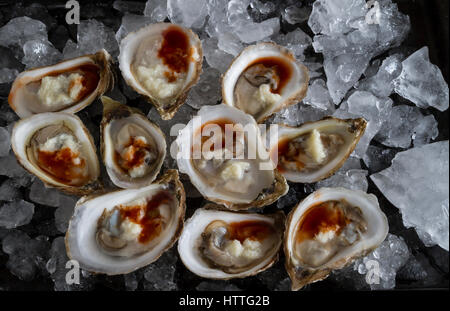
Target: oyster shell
[
  {"x": 328, "y": 230},
  {"x": 59, "y": 150},
  {"x": 222, "y": 151},
  {"x": 121, "y": 231},
  {"x": 162, "y": 62},
  {"x": 68, "y": 86},
  {"x": 220, "y": 244},
  {"x": 263, "y": 79},
  {"x": 133, "y": 148},
  {"x": 315, "y": 150}
]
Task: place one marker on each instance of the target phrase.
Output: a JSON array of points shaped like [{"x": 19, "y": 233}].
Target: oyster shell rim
[
  {"x": 169, "y": 176},
  {"x": 89, "y": 187},
  {"x": 279, "y": 182},
  {"x": 180, "y": 99},
  {"x": 108, "y": 76},
  {"x": 294, "y": 99},
  {"x": 358, "y": 126},
  {"x": 114, "y": 110},
  {"x": 320, "y": 273},
  {"x": 278, "y": 217}
]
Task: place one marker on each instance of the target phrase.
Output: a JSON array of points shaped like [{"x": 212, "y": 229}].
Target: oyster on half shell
[
  {"x": 162, "y": 62},
  {"x": 222, "y": 152},
  {"x": 221, "y": 244},
  {"x": 314, "y": 150},
  {"x": 59, "y": 150},
  {"x": 263, "y": 79},
  {"x": 328, "y": 230},
  {"x": 133, "y": 148},
  {"x": 68, "y": 86},
  {"x": 121, "y": 231}
]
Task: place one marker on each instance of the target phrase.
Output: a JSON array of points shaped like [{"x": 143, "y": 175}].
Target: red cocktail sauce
[
  {"x": 255, "y": 230},
  {"x": 175, "y": 51},
  {"x": 60, "y": 164},
  {"x": 321, "y": 217},
  {"x": 151, "y": 222}
]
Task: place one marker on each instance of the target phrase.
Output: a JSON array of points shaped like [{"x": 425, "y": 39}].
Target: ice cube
[
  {"x": 130, "y": 23},
  {"x": 16, "y": 213},
  {"x": 377, "y": 158},
  {"x": 252, "y": 32},
  {"x": 160, "y": 275},
  {"x": 294, "y": 14},
  {"x": 422, "y": 82},
  {"x": 263, "y": 7},
  {"x": 274, "y": 278},
  {"x": 39, "y": 53},
  {"x": 372, "y": 109},
  {"x": 5, "y": 142},
  {"x": 63, "y": 214},
  {"x": 40, "y": 194},
  {"x": 8, "y": 75},
  {"x": 218, "y": 21},
  {"x": 207, "y": 91},
  {"x": 9, "y": 191},
  {"x": 188, "y": 13},
  {"x": 382, "y": 83},
  {"x": 214, "y": 56},
  {"x": 26, "y": 256},
  {"x": 297, "y": 41},
  {"x": 129, "y": 6},
  {"x": 20, "y": 30},
  {"x": 343, "y": 72},
  {"x": 9, "y": 167},
  {"x": 353, "y": 179},
  {"x": 404, "y": 124},
  {"x": 156, "y": 10},
  {"x": 332, "y": 18},
  {"x": 417, "y": 183},
  {"x": 318, "y": 96},
  {"x": 92, "y": 36},
  {"x": 230, "y": 43},
  {"x": 58, "y": 267},
  {"x": 380, "y": 267}
]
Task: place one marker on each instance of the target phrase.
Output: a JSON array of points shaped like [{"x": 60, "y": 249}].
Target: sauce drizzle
[
  {"x": 60, "y": 164},
  {"x": 255, "y": 230},
  {"x": 135, "y": 156},
  {"x": 322, "y": 217},
  {"x": 175, "y": 52},
  {"x": 152, "y": 222},
  {"x": 90, "y": 78}
]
